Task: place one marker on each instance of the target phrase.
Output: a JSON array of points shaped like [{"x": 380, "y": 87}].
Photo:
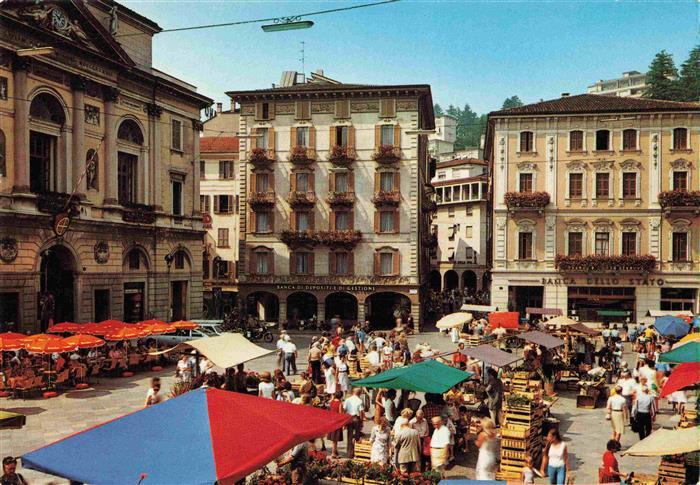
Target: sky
[{"x": 476, "y": 52}]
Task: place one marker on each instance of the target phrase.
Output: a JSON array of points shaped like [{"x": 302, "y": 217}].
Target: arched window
[
  {"x": 3, "y": 155},
  {"x": 130, "y": 132},
  {"x": 92, "y": 163},
  {"x": 46, "y": 107},
  {"x": 602, "y": 140},
  {"x": 46, "y": 144}
]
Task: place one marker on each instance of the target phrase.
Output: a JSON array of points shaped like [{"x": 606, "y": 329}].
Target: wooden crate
[
  {"x": 363, "y": 451},
  {"x": 511, "y": 430},
  {"x": 586, "y": 402},
  {"x": 671, "y": 471},
  {"x": 506, "y": 475}
]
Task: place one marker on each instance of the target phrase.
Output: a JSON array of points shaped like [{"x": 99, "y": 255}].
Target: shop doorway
[
  {"x": 382, "y": 309},
  {"x": 522, "y": 297},
  {"x": 56, "y": 299},
  {"x": 342, "y": 304},
  {"x": 301, "y": 306},
  {"x": 602, "y": 304},
  {"x": 134, "y": 297},
  {"x": 263, "y": 305},
  {"x": 101, "y": 305},
  {"x": 451, "y": 280},
  {"x": 178, "y": 302}
]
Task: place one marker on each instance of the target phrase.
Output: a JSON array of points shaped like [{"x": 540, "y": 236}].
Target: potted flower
[
  {"x": 259, "y": 155},
  {"x": 342, "y": 155},
  {"x": 301, "y": 155},
  {"x": 387, "y": 154},
  {"x": 526, "y": 200}
]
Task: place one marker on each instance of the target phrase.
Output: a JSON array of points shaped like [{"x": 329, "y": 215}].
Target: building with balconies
[
  {"x": 460, "y": 258},
  {"x": 631, "y": 84},
  {"x": 333, "y": 182},
  {"x": 596, "y": 206},
  {"x": 99, "y": 213}
]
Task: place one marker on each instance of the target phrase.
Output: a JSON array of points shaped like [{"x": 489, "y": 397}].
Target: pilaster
[
  {"x": 110, "y": 178},
  {"x": 20, "y": 67}
]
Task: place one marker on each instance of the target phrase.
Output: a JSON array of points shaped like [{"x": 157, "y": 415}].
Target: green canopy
[
  {"x": 689, "y": 352},
  {"x": 427, "y": 376},
  {"x": 613, "y": 313}
]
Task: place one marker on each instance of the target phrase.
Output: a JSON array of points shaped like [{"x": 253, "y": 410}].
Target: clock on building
[{"x": 59, "y": 21}]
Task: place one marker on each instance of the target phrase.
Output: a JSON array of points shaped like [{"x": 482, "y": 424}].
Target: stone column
[
  {"x": 197, "y": 128},
  {"x": 78, "y": 162},
  {"x": 282, "y": 309},
  {"x": 360, "y": 309},
  {"x": 21, "y": 134},
  {"x": 321, "y": 311},
  {"x": 154, "y": 111},
  {"x": 110, "y": 142}
]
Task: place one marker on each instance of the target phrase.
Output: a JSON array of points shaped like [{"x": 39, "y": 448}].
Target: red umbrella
[
  {"x": 127, "y": 333},
  {"x": 184, "y": 325},
  {"x": 47, "y": 346},
  {"x": 65, "y": 327},
  {"x": 102, "y": 328},
  {"x": 685, "y": 375},
  {"x": 40, "y": 337},
  {"x": 80, "y": 341},
  {"x": 160, "y": 328},
  {"x": 12, "y": 335},
  {"x": 11, "y": 343},
  {"x": 146, "y": 323}
]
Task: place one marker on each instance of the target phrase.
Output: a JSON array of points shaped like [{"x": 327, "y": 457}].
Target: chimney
[
  {"x": 219, "y": 107},
  {"x": 565, "y": 95}
]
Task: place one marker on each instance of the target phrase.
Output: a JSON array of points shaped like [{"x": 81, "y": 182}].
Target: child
[{"x": 527, "y": 474}]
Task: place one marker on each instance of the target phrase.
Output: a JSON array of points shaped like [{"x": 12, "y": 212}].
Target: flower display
[
  {"x": 679, "y": 198},
  {"x": 341, "y": 198},
  {"x": 342, "y": 155},
  {"x": 299, "y": 238},
  {"x": 259, "y": 155},
  {"x": 387, "y": 154},
  {"x": 301, "y": 154},
  {"x": 390, "y": 197},
  {"x": 527, "y": 200},
  {"x": 346, "y": 239},
  {"x": 301, "y": 198},
  {"x": 599, "y": 263}
]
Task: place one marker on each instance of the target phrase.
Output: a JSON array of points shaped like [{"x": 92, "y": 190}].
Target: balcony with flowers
[
  {"x": 595, "y": 263},
  {"x": 342, "y": 156},
  {"x": 260, "y": 200},
  {"x": 261, "y": 156},
  {"x": 341, "y": 198},
  {"x": 346, "y": 239},
  {"x": 386, "y": 197},
  {"x": 299, "y": 238},
  {"x": 301, "y": 198},
  {"x": 680, "y": 201},
  {"x": 527, "y": 201},
  {"x": 301, "y": 155},
  {"x": 387, "y": 154}
]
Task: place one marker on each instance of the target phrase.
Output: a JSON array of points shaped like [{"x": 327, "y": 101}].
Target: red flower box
[
  {"x": 594, "y": 263},
  {"x": 527, "y": 200}
]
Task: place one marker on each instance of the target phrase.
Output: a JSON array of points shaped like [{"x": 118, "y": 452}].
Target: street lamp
[{"x": 288, "y": 23}]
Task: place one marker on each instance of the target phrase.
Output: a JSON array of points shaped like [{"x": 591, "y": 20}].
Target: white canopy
[
  {"x": 454, "y": 320},
  {"x": 560, "y": 320},
  {"x": 667, "y": 442},
  {"x": 479, "y": 308},
  {"x": 227, "y": 350},
  {"x": 672, "y": 313}
]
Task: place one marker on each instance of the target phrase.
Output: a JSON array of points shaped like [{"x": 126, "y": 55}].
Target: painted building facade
[{"x": 595, "y": 206}]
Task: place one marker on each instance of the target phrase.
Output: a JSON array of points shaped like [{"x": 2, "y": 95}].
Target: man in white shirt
[
  {"x": 439, "y": 445},
  {"x": 290, "y": 356},
  {"x": 617, "y": 409},
  {"x": 354, "y": 406},
  {"x": 373, "y": 358},
  {"x": 280, "y": 352},
  {"x": 648, "y": 372}
]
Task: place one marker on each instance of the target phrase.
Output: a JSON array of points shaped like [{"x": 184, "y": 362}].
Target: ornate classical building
[
  {"x": 99, "y": 197},
  {"x": 460, "y": 260},
  {"x": 334, "y": 184},
  {"x": 596, "y": 206}
]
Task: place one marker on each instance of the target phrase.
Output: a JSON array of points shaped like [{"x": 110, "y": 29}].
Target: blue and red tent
[{"x": 203, "y": 436}]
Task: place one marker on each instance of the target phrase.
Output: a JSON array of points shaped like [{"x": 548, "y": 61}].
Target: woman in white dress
[
  {"x": 329, "y": 374},
  {"x": 380, "y": 439},
  {"x": 343, "y": 376},
  {"x": 487, "y": 463}
]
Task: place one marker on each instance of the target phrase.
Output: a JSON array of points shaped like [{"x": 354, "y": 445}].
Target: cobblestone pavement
[{"x": 586, "y": 431}]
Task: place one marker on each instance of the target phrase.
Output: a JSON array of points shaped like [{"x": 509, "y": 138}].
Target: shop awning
[
  {"x": 543, "y": 311},
  {"x": 427, "y": 376},
  {"x": 227, "y": 350},
  {"x": 479, "y": 308},
  {"x": 491, "y": 355},
  {"x": 456, "y": 319},
  {"x": 672, "y": 313},
  {"x": 613, "y": 313},
  {"x": 560, "y": 320},
  {"x": 543, "y": 339},
  {"x": 205, "y": 436},
  {"x": 667, "y": 442},
  {"x": 683, "y": 376},
  {"x": 581, "y": 328},
  {"x": 504, "y": 319}
]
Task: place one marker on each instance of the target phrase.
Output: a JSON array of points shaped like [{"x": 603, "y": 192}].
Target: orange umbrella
[
  {"x": 80, "y": 341},
  {"x": 184, "y": 325},
  {"x": 65, "y": 327},
  {"x": 47, "y": 346},
  {"x": 159, "y": 328},
  {"x": 12, "y": 335},
  {"x": 127, "y": 333},
  {"x": 102, "y": 328},
  {"x": 147, "y": 323},
  {"x": 40, "y": 337},
  {"x": 11, "y": 343}
]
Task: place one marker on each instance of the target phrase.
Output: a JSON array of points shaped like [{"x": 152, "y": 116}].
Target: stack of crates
[
  {"x": 672, "y": 471},
  {"x": 689, "y": 419},
  {"x": 521, "y": 435}
]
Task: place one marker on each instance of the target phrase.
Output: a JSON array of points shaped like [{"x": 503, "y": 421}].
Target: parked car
[
  {"x": 183, "y": 336},
  {"x": 213, "y": 327}
]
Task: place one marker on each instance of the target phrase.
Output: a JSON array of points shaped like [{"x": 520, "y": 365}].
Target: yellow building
[
  {"x": 334, "y": 180},
  {"x": 99, "y": 201},
  {"x": 596, "y": 209}
]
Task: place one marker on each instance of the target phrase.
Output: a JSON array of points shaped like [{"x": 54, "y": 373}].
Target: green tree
[
  {"x": 512, "y": 102},
  {"x": 690, "y": 76},
  {"x": 662, "y": 79},
  {"x": 438, "y": 110}
]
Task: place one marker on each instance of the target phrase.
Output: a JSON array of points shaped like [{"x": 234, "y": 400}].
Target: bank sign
[
  {"x": 350, "y": 288},
  {"x": 602, "y": 281}
]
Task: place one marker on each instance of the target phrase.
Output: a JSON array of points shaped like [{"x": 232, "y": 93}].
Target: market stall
[
  {"x": 672, "y": 445},
  {"x": 428, "y": 376},
  {"x": 182, "y": 440}
]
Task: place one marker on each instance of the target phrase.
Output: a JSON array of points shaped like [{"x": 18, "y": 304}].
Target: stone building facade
[
  {"x": 99, "y": 198},
  {"x": 596, "y": 206},
  {"x": 334, "y": 183},
  {"x": 461, "y": 226}
]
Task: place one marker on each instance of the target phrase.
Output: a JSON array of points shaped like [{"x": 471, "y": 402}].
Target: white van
[{"x": 182, "y": 336}]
